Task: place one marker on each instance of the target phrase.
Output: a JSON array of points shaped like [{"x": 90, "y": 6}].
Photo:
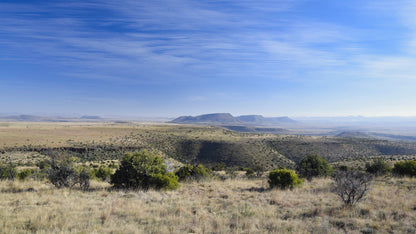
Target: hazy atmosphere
[{"x": 189, "y": 57}]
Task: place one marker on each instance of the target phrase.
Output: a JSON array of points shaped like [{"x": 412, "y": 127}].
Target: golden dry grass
[
  {"x": 59, "y": 134},
  {"x": 231, "y": 206}
]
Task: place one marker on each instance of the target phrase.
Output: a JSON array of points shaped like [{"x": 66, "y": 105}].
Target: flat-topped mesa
[
  {"x": 227, "y": 118},
  {"x": 216, "y": 118}
]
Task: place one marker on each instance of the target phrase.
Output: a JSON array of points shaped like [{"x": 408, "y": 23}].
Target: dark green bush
[
  {"x": 7, "y": 171},
  {"x": 218, "y": 167},
  {"x": 62, "y": 174},
  {"x": 143, "y": 170},
  {"x": 343, "y": 168},
  {"x": 405, "y": 168},
  {"x": 25, "y": 173},
  {"x": 378, "y": 167},
  {"x": 283, "y": 179},
  {"x": 313, "y": 166},
  {"x": 250, "y": 173},
  {"x": 189, "y": 172}
]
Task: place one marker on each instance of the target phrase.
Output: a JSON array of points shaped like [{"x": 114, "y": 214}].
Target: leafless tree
[{"x": 351, "y": 186}]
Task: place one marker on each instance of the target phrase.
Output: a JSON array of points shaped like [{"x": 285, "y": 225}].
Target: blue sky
[{"x": 189, "y": 57}]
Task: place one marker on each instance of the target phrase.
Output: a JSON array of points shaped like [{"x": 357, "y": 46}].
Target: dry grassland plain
[
  {"x": 212, "y": 206},
  {"x": 230, "y": 206}
]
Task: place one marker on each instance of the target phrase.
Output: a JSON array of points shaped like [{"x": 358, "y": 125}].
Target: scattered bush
[
  {"x": 64, "y": 174},
  {"x": 250, "y": 173},
  {"x": 351, "y": 186},
  {"x": 231, "y": 172},
  {"x": 405, "y": 168},
  {"x": 143, "y": 170},
  {"x": 7, "y": 171},
  {"x": 102, "y": 173},
  {"x": 189, "y": 172},
  {"x": 313, "y": 166},
  {"x": 259, "y": 169},
  {"x": 83, "y": 179},
  {"x": 378, "y": 167},
  {"x": 283, "y": 179},
  {"x": 218, "y": 167},
  {"x": 25, "y": 173},
  {"x": 343, "y": 168}
]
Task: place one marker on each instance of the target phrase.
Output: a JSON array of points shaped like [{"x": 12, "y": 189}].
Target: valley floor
[{"x": 230, "y": 206}]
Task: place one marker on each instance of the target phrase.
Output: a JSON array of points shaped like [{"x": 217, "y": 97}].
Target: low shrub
[
  {"x": 64, "y": 174},
  {"x": 25, "y": 173},
  {"x": 218, "y": 167},
  {"x": 250, "y": 173},
  {"x": 189, "y": 172},
  {"x": 7, "y": 171},
  {"x": 378, "y": 167},
  {"x": 102, "y": 173},
  {"x": 283, "y": 179},
  {"x": 143, "y": 170},
  {"x": 405, "y": 168}
]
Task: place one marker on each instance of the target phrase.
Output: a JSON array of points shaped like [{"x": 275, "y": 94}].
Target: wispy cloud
[{"x": 203, "y": 48}]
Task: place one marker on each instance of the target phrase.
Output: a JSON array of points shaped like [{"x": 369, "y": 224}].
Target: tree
[
  {"x": 313, "y": 166},
  {"x": 143, "y": 170},
  {"x": 351, "y": 186},
  {"x": 283, "y": 179}
]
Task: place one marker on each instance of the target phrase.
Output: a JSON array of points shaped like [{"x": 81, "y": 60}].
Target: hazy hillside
[{"x": 191, "y": 144}]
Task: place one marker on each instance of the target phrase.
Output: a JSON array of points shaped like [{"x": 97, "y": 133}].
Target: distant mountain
[
  {"x": 217, "y": 118},
  {"x": 283, "y": 119},
  {"x": 228, "y": 119},
  {"x": 90, "y": 117},
  {"x": 252, "y": 118},
  {"x": 36, "y": 118},
  {"x": 354, "y": 134}
]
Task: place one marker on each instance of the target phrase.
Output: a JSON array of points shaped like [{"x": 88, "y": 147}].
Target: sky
[{"x": 189, "y": 57}]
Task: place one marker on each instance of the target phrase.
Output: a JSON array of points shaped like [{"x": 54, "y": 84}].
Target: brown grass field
[{"x": 230, "y": 206}]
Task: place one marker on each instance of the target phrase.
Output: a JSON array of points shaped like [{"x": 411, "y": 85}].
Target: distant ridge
[
  {"x": 228, "y": 119},
  {"x": 216, "y": 118}
]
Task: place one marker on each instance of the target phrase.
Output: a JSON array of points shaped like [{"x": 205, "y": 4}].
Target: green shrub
[
  {"x": 143, "y": 170},
  {"x": 313, "y": 166},
  {"x": 25, "y": 173},
  {"x": 343, "y": 168},
  {"x": 218, "y": 167},
  {"x": 102, "y": 173},
  {"x": 7, "y": 171},
  {"x": 167, "y": 181},
  {"x": 378, "y": 167},
  {"x": 283, "y": 179},
  {"x": 405, "y": 168},
  {"x": 189, "y": 172},
  {"x": 250, "y": 173}
]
